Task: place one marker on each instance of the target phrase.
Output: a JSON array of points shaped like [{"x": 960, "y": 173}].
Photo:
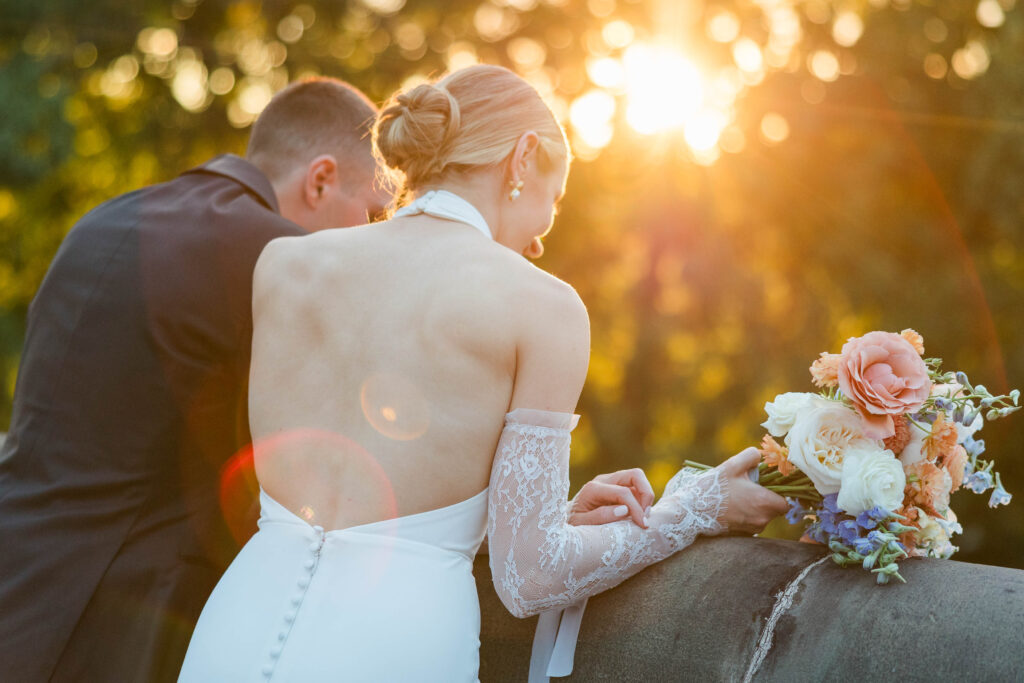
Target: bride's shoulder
[
  {"x": 544, "y": 301},
  {"x": 279, "y": 254},
  {"x": 544, "y": 288}
]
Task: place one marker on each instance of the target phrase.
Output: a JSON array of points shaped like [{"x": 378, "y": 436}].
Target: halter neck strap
[{"x": 447, "y": 205}]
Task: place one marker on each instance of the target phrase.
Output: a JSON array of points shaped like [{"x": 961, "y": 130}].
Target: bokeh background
[{"x": 755, "y": 180}]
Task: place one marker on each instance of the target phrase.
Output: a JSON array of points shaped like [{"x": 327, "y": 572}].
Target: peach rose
[
  {"x": 825, "y": 370},
  {"x": 883, "y": 375}
]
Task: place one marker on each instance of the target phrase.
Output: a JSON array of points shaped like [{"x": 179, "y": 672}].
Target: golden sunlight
[
  {"x": 664, "y": 89},
  {"x": 657, "y": 89}
]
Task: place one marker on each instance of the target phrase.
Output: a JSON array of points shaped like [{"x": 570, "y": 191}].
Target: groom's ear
[{"x": 321, "y": 179}]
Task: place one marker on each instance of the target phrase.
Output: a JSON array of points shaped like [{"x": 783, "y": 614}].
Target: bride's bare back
[{"x": 385, "y": 358}]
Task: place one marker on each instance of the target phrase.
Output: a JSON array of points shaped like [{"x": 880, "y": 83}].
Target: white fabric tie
[
  {"x": 446, "y": 205},
  {"x": 554, "y": 642}
]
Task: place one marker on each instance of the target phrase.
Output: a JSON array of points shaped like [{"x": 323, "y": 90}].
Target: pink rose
[{"x": 883, "y": 375}]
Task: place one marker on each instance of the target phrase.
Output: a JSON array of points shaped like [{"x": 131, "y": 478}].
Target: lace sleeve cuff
[{"x": 543, "y": 419}]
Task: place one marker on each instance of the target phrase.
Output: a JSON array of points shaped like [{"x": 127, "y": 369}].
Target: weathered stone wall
[{"x": 699, "y": 616}]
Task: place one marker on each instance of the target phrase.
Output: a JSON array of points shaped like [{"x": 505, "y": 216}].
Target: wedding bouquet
[{"x": 869, "y": 463}]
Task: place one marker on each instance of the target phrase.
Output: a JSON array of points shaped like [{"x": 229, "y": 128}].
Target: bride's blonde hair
[{"x": 472, "y": 117}]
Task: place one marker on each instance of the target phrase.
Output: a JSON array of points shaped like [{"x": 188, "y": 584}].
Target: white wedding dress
[{"x": 395, "y": 600}]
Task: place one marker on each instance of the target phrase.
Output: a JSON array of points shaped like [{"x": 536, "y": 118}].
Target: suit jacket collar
[{"x": 240, "y": 170}]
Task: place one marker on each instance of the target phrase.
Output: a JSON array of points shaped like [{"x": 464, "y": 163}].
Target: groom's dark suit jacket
[{"x": 130, "y": 398}]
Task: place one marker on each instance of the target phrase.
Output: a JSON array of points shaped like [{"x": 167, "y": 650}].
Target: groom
[{"x": 131, "y": 394}]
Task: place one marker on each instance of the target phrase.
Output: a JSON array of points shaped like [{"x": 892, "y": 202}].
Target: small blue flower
[
  {"x": 864, "y": 546},
  {"x": 848, "y": 531},
  {"x": 797, "y": 511},
  {"x": 864, "y": 520},
  {"x": 999, "y": 495},
  {"x": 968, "y": 469},
  {"x": 829, "y": 514},
  {"x": 879, "y": 538},
  {"x": 974, "y": 447},
  {"x": 817, "y": 534},
  {"x": 979, "y": 482},
  {"x": 828, "y": 521},
  {"x": 869, "y": 519}
]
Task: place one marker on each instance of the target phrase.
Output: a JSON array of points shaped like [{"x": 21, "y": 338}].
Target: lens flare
[
  {"x": 395, "y": 406},
  {"x": 307, "y": 471}
]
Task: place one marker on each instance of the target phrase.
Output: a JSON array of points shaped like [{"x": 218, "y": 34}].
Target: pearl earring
[{"x": 516, "y": 190}]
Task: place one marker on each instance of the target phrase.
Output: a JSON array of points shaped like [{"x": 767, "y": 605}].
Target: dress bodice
[{"x": 455, "y": 528}]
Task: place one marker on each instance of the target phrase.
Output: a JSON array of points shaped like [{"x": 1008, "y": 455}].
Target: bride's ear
[
  {"x": 524, "y": 154},
  {"x": 321, "y": 179}
]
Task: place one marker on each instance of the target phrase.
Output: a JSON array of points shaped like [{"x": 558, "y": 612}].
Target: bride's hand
[
  {"x": 749, "y": 506},
  {"x": 611, "y": 497}
]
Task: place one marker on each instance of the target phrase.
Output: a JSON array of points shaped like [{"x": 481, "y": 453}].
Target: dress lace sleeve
[{"x": 538, "y": 560}]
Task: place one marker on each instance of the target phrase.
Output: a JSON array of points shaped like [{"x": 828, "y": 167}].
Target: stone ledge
[{"x": 698, "y": 616}]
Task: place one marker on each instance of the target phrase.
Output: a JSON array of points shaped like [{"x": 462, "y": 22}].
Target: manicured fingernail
[{"x": 620, "y": 511}]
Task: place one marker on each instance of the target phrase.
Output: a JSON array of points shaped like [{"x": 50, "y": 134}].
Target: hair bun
[{"x": 414, "y": 131}]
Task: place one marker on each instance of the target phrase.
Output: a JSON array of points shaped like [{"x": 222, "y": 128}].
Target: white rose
[
  {"x": 822, "y": 433},
  {"x": 783, "y": 410},
  {"x": 871, "y": 476}
]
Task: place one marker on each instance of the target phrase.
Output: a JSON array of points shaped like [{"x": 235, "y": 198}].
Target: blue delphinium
[
  {"x": 848, "y": 531},
  {"x": 974, "y": 447},
  {"x": 829, "y": 514},
  {"x": 869, "y": 519},
  {"x": 817, "y": 534},
  {"x": 999, "y": 496},
  {"x": 980, "y": 481},
  {"x": 864, "y": 546},
  {"x": 797, "y": 511}
]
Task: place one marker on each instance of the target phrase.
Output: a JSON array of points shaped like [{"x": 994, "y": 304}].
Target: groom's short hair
[{"x": 308, "y": 118}]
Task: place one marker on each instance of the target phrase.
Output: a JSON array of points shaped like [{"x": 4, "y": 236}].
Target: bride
[{"x": 413, "y": 385}]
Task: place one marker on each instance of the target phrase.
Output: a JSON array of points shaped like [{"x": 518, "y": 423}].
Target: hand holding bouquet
[{"x": 869, "y": 463}]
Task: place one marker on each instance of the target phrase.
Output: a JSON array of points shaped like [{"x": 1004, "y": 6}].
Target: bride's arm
[{"x": 538, "y": 560}]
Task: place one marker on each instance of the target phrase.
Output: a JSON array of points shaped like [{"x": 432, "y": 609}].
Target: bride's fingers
[
  {"x": 636, "y": 480},
  {"x": 600, "y": 493},
  {"x": 602, "y": 515}
]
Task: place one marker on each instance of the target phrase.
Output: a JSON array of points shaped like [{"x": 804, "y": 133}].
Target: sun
[{"x": 657, "y": 89}]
